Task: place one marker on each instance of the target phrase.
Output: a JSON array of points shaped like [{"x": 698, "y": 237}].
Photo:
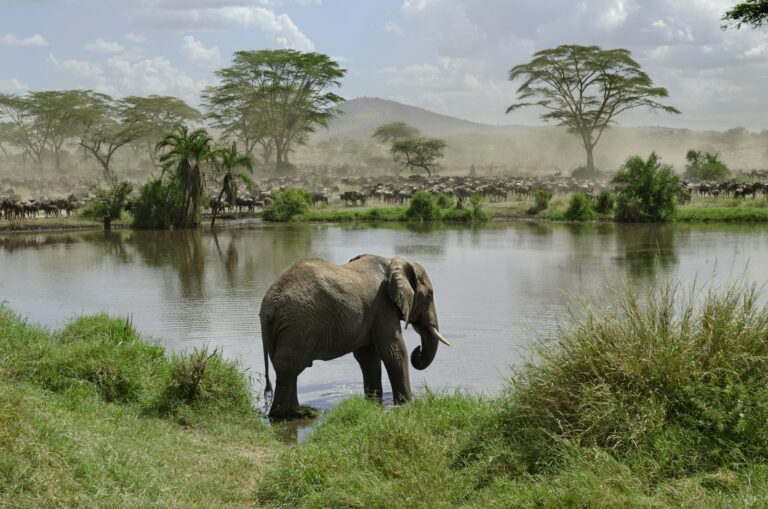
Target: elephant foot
[{"x": 300, "y": 413}]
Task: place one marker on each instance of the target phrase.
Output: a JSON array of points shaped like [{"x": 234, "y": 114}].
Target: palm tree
[
  {"x": 226, "y": 161},
  {"x": 186, "y": 152}
]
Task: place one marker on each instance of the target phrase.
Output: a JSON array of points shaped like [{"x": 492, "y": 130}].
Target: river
[{"x": 498, "y": 287}]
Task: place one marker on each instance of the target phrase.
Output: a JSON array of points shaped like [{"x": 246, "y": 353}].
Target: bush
[
  {"x": 423, "y": 207},
  {"x": 287, "y": 203},
  {"x": 541, "y": 198},
  {"x": 108, "y": 201},
  {"x": 649, "y": 192},
  {"x": 580, "y": 208},
  {"x": 705, "y": 166},
  {"x": 159, "y": 206},
  {"x": 582, "y": 172},
  {"x": 443, "y": 201},
  {"x": 606, "y": 202}
]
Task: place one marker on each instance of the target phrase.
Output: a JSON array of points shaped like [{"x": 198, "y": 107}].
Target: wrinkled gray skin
[{"x": 317, "y": 310}]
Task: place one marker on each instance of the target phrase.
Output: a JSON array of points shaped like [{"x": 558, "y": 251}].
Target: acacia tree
[
  {"x": 749, "y": 12},
  {"x": 395, "y": 131},
  {"x": 104, "y": 127},
  {"x": 584, "y": 88},
  {"x": 22, "y": 129},
  {"x": 155, "y": 116},
  {"x": 275, "y": 96},
  {"x": 418, "y": 153}
]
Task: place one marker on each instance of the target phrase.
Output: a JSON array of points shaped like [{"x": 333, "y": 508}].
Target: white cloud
[
  {"x": 35, "y": 40},
  {"x": 135, "y": 38},
  {"x": 196, "y": 51},
  {"x": 280, "y": 27},
  {"x": 392, "y": 28},
  {"x": 12, "y": 86},
  {"x": 101, "y": 46}
]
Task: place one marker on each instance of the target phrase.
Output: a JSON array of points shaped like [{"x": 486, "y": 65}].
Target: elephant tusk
[{"x": 439, "y": 337}]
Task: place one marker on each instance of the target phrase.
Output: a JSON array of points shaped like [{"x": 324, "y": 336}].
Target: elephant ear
[{"x": 399, "y": 276}]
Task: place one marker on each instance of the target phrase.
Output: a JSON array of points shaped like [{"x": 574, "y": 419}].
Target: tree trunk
[{"x": 590, "y": 160}]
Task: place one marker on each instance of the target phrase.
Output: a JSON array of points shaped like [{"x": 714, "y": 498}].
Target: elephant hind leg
[
  {"x": 285, "y": 403},
  {"x": 370, "y": 365}
]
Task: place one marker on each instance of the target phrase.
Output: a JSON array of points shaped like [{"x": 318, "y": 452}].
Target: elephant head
[{"x": 410, "y": 289}]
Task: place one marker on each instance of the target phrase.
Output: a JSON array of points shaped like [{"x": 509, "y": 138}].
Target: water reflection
[{"x": 497, "y": 287}]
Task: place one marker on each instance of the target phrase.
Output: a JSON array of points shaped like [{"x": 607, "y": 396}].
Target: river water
[{"x": 497, "y": 288}]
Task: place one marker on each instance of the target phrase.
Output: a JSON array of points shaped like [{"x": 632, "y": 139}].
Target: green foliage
[
  {"x": 423, "y": 207},
  {"x": 705, "y": 166},
  {"x": 443, "y": 200},
  {"x": 107, "y": 201},
  {"x": 541, "y": 199},
  {"x": 274, "y": 98},
  {"x": 583, "y": 172},
  {"x": 649, "y": 192},
  {"x": 287, "y": 203},
  {"x": 606, "y": 202},
  {"x": 418, "y": 153},
  {"x": 749, "y": 12},
  {"x": 159, "y": 205},
  {"x": 581, "y": 208}
]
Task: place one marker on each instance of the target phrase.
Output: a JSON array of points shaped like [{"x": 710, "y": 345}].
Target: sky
[{"x": 448, "y": 56}]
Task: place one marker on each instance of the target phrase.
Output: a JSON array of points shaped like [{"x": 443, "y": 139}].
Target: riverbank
[
  {"x": 630, "y": 406},
  {"x": 702, "y": 210}
]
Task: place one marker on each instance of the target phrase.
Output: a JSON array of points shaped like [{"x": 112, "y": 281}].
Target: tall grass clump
[
  {"x": 287, "y": 203},
  {"x": 541, "y": 199},
  {"x": 668, "y": 385},
  {"x": 581, "y": 208}
]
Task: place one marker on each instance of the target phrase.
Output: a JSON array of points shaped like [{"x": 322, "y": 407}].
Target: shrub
[
  {"x": 649, "y": 192},
  {"x": 580, "y": 208},
  {"x": 108, "y": 201},
  {"x": 423, "y": 207},
  {"x": 443, "y": 200},
  {"x": 287, "y": 203},
  {"x": 159, "y": 205},
  {"x": 705, "y": 166},
  {"x": 582, "y": 172},
  {"x": 541, "y": 198},
  {"x": 606, "y": 202}
]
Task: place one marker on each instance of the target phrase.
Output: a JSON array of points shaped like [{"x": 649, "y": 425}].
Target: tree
[
  {"x": 648, "y": 190},
  {"x": 108, "y": 201},
  {"x": 22, "y": 129},
  {"x": 276, "y": 95},
  {"x": 705, "y": 166},
  {"x": 226, "y": 161},
  {"x": 155, "y": 116},
  {"x": 584, "y": 88},
  {"x": 418, "y": 153},
  {"x": 748, "y": 12},
  {"x": 185, "y": 154},
  {"x": 395, "y": 131},
  {"x": 104, "y": 127}
]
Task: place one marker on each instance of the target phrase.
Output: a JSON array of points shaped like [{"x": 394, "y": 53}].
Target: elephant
[{"x": 316, "y": 310}]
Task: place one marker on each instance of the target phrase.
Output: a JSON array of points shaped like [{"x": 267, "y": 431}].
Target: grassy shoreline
[{"x": 654, "y": 401}]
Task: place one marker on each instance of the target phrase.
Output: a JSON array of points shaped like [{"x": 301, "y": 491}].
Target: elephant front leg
[
  {"x": 370, "y": 365},
  {"x": 394, "y": 355}
]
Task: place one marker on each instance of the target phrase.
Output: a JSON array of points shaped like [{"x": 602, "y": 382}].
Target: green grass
[
  {"x": 57, "y": 223},
  {"x": 656, "y": 401},
  {"x": 362, "y": 214},
  {"x": 746, "y": 214},
  {"x": 92, "y": 416}
]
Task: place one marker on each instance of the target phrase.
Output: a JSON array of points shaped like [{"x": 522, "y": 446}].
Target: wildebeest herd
[
  {"x": 359, "y": 191},
  {"x": 13, "y": 207}
]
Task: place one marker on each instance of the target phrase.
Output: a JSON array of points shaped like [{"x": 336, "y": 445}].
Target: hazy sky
[{"x": 449, "y": 56}]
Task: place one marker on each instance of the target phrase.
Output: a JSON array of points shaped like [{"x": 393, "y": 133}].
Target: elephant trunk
[{"x": 422, "y": 356}]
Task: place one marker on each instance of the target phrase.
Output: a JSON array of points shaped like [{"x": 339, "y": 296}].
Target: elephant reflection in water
[{"x": 319, "y": 311}]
